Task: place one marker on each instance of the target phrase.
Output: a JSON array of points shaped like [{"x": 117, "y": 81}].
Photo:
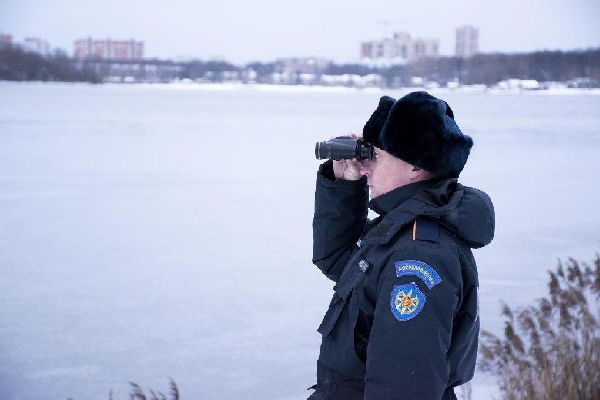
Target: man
[{"x": 403, "y": 321}]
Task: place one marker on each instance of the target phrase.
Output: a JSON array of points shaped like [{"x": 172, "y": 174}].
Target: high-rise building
[
  {"x": 399, "y": 49},
  {"x": 467, "y": 41},
  {"x": 403, "y": 46},
  {"x": 425, "y": 48},
  {"x": 108, "y": 49}
]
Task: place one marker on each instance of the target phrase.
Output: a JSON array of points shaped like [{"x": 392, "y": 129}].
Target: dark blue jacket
[{"x": 403, "y": 320}]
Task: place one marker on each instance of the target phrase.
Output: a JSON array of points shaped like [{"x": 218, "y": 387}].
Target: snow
[{"x": 156, "y": 231}]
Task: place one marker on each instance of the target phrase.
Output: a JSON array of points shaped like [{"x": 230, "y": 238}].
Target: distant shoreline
[{"x": 235, "y": 86}]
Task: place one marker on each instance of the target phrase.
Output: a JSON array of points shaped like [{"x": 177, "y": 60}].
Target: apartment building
[
  {"x": 401, "y": 48},
  {"x": 108, "y": 49},
  {"x": 467, "y": 41}
]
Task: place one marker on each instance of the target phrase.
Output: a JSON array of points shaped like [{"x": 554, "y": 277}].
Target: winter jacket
[{"x": 403, "y": 322}]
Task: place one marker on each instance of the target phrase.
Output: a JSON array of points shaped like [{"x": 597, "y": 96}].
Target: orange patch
[{"x": 406, "y": 301}]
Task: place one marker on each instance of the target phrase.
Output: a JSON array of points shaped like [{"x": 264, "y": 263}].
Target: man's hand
[{"x": 347, "y": 169}]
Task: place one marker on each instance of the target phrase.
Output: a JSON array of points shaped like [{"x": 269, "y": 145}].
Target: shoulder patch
[
  {"x": 407, "y": 301},
  {"x": 419, "y": 269}
]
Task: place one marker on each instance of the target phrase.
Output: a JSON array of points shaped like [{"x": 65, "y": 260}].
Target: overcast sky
[{"x": 242, "y": 31}]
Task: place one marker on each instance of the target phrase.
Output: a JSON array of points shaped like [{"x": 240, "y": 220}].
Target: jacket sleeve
[
  {"x": 409, "y": 342},
  {"x": 339, "y": 219}
]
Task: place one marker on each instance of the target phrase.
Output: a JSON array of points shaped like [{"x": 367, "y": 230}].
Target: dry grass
[
  {"x": 137, "y": 393},
  {"x": 551, "y": 351}
]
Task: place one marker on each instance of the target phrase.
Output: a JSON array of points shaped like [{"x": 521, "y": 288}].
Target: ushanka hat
[
  {"x": 372, "y": 129},
  {"x": 420, "y": 129}
]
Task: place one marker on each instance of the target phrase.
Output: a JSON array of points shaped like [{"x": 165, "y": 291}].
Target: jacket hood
[{"x": 465, "y": 211}]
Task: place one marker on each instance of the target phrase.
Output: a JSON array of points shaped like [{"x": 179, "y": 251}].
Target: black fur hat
[
  {"x": 420, "y": 129},
  {"x": 372, "y": 129}
]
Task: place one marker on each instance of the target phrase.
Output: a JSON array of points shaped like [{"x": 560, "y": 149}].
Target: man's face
[{"x": 385, "y": 172}]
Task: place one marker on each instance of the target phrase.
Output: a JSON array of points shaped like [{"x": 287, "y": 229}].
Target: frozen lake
[{"x": 161, "y": 231}]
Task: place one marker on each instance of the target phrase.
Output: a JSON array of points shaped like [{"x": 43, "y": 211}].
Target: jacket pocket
[{"x": 350, "y": 279}]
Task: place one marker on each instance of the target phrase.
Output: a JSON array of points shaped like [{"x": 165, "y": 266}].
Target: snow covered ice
[{"x": 159, "y": 231}]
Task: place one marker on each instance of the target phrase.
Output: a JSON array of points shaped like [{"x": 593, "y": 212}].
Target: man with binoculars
[{"x": 403, "y": 322}]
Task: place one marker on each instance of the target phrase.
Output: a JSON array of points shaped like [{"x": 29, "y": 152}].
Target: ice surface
[{"x": 160, "y": 231}]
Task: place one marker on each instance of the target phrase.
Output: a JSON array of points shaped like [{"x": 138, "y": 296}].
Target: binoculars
[{"x": 344, "y": 148}]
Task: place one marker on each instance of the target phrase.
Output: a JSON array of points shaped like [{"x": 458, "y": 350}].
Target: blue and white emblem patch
[
  {"x": 427, "y": 274},
  {"x": 407, "y": 301}
]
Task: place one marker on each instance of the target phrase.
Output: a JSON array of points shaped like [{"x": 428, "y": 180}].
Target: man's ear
[{"x": 419, "y": 173}]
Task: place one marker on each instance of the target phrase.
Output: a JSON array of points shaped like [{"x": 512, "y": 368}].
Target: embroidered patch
[
  {"x": 418, "y": 268},
  {"x": 407, "y": 301}
]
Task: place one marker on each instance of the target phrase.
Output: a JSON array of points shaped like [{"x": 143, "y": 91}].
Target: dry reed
[
  {"x": 551, "y": 351},
  {"x": 137, "y": 393}
]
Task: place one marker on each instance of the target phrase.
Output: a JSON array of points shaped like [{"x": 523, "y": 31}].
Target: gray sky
[{"x": 242, "y": 31}]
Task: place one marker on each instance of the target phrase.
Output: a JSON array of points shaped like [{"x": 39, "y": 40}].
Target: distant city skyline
[{"x": 263, "y": 30}]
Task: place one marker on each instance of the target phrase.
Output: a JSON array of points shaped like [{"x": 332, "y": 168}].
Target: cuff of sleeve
[{"x": 326, "y": 178}]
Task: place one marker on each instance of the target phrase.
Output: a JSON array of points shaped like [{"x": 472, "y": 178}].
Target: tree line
[
  {"x": 18, "y": 64},
  {"x": 488, "y": 69}
]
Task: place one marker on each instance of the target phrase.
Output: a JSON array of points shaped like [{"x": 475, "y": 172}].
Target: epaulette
[{"x": 425, "y": 229}]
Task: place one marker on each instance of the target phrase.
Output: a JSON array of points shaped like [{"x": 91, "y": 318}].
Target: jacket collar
[
  {"x": 403, "y": 205},
  {"x": 390, "y": 200}
]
